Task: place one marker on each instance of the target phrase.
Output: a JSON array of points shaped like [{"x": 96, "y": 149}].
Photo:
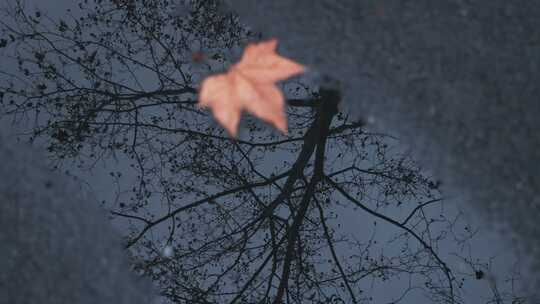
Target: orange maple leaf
[{"x": 250, "y": 85}]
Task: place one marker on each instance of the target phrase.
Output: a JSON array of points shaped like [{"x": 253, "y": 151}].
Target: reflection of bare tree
[
  {"x": 253, "y": 220},
  {"x": 483, "y": 271}
]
